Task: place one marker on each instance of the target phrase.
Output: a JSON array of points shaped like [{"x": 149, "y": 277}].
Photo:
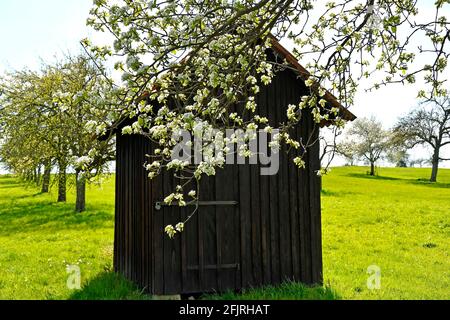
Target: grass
[
  {"x": 39, "y": 238},
  {"x": 286, "y": 291},
  {"x": 108, "y": 286},
  {"x": 397, "y": 221}
]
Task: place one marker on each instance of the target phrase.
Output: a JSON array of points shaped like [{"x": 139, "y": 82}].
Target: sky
[
  {"x": 34, "y": 29},
  {"x": 31, "y": 30}
]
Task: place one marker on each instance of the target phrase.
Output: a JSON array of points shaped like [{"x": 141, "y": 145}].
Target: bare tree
[{"x": 429, "y": 124}]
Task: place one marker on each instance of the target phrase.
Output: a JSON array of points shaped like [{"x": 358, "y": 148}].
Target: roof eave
[{"x": 304, "y": 75}]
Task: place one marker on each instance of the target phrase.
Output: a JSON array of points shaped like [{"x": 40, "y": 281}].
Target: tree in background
[
  {"x": 398, "y": 157},
  {"x": 348, "y": 151},
  {"x": 86, "y": 99},
  {"x": 428, "y": 124},
  {"x": 398, "y": 150},
  {"x": 368, "y": 140},
  {"x": 420, "y": 162},
  {"x": 47, "y": 119},
  {"x": 23, "y": 149}
]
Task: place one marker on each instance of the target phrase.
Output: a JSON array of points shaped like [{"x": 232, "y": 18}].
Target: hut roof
[{"x": 300, "y": 70}]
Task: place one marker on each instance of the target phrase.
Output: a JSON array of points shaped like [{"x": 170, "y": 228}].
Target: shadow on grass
[
  {"x": 420, "y": 181},
  {"x": 109, "y": 286},
  {"x": 27, "y": 196},
  {"x": 26, "y": 217},
  {"x": 288, "y": 290},
  {"x": 367, "y": 176},
  {"x": 427, "y": 183},
  {"x": 32, "y": 211},
  {"x": 11, "y": 182},
  {"x": 329, "y": 193},
  {"x": 10, "y": 185},
  {"x": 6, "y": 181}
]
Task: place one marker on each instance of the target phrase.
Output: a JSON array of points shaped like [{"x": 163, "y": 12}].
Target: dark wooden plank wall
[
  {"x": 272, "y": 235},
  {"x": 133, "y": 219},
  {"x": 280, "y": 215}
]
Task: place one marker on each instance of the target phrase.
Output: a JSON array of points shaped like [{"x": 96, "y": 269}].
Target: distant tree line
[{"x": 49, "y": 122}]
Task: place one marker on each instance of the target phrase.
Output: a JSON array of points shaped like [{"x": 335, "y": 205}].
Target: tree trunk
[
  {"x": 46, "y": 177},
  {"x": 435, "y": 166},
  {"x": 39, "y": 176},
  {"x": 80, "y": 204},
  {"x": 62, "y": 179},
  {"x": 372, "y": 168}
]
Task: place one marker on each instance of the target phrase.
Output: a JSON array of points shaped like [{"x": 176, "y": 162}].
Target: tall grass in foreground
[
  {"x": 109, "y": 286},
  {"x": 286, "y": 291}
]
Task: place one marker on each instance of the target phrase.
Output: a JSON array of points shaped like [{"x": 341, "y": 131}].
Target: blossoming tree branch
[{"x": 185, "y": 63}]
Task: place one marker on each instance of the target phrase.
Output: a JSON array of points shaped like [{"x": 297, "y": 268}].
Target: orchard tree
[
  {"x": 195, "y": 60},
  {"x": 369, "y": 140},
  {"x": 420, "y": 162},
  {"x": 86, "y": 98},
  {"x": 398, "y": 150},
  {"x": 23, "y": 149},
  {"x": 48, "y": 117},
  {"x": 348, "y": 151},
  {"x": 399, "y": 157},
  {"x": 428, "y": 125},
  {"x": 23, "y": 160},
  {"x": 34, "y": 117}
]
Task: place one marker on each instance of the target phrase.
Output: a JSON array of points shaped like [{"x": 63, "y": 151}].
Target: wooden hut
[{"x": 250, "y": 230}]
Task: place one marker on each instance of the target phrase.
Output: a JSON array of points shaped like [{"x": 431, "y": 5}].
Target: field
[{"x": 396, "y": 221}]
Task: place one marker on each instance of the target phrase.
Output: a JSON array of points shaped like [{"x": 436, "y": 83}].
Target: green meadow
[{"x": 396, "y": 222}]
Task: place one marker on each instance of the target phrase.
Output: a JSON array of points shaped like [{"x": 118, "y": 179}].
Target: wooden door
[{"x": 205, "y": 257}]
